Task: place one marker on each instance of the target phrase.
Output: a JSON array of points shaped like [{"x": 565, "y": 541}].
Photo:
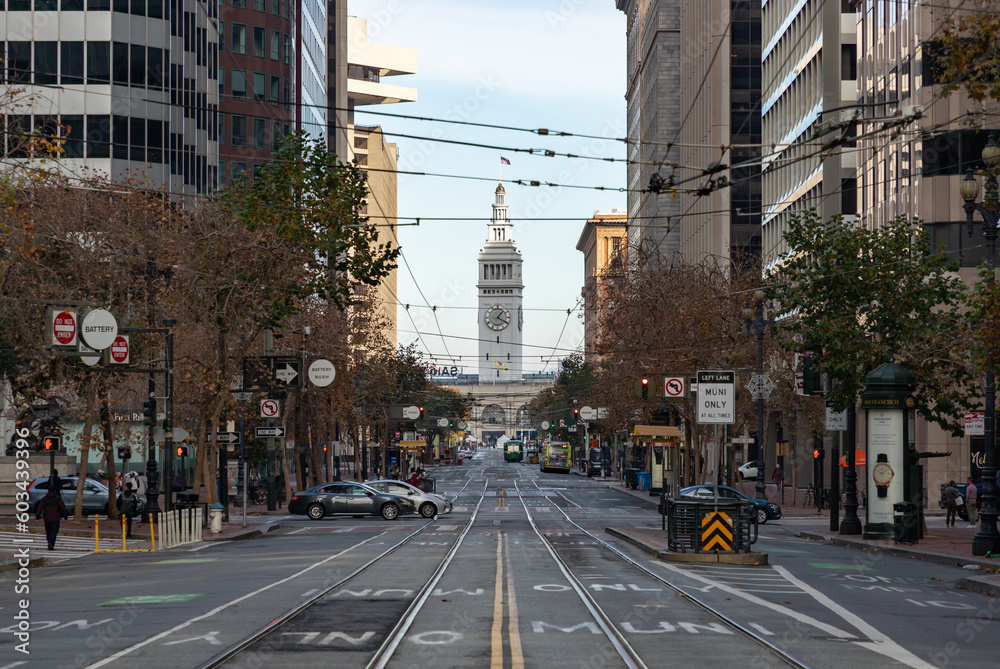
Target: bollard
[
  {"x": 152, "y": 529},
  {"x": 123, "y": 531},
  {"x": 97, "y": 541}
]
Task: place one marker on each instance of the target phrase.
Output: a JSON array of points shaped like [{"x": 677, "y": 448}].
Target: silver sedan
[{"x": 428, "y": 504}]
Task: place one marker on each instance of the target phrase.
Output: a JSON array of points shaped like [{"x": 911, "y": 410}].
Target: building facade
[
  {"x": 129, "y": 86},
  {"x": 604, "y": 245},
  {"x": 501, "y": 291}
]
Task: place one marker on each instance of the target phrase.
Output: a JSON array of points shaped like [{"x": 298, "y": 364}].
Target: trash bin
[
  {"x": 906, "y": 523},
  {"x": 644, "y": 479},
  {"x": 429, "y": 484}
]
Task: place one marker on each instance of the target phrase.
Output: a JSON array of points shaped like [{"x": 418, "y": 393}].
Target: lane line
[
  {"x": 513, "y": 631},
  {"x": 222, "y": 607},
  {"x": 496, "y": 640},
  {"x": 879, "y": 643}
]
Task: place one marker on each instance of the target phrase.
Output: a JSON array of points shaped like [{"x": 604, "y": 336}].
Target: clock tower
[{"x": 501, "y": 318}]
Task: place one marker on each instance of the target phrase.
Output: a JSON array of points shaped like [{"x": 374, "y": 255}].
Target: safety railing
[{"x": 711, "y": 526}]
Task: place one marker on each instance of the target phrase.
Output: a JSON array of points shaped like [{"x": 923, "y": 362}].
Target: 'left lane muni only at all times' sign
[{"x": 717, "y": 397}]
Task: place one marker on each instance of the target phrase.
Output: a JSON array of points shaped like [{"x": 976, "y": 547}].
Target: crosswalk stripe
[{"x": 66, "y": 547}]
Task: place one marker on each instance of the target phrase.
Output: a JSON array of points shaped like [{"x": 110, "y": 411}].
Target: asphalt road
[{"x": 519, "y": 575}]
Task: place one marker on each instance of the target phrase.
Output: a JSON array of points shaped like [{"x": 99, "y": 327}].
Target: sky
[{"x": 556, "y": 64}]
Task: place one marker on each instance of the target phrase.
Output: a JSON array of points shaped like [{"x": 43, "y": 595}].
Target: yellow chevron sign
[{"x": 717, "y": 532}]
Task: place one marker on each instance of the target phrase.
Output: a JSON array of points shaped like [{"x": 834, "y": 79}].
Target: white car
[
  {"x": 748, "y": 471},
  {"x": 428, "y": 504}
]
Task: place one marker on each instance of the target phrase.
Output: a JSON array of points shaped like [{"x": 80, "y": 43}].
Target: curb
[
  {"x": 12, "y": 565},
  {"x": 750, "y": 559},
  {"x": 940, "y": 558},
  {"x": 248, "y": 533}
]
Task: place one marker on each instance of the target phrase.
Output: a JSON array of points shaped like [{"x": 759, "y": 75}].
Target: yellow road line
[
  {"x": 496, "y": 658},
  {"x": 516, "y": 656}
]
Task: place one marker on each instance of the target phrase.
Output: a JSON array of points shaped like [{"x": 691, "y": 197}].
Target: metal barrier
[
  {"x": 429, "y": 484},
  {"x": 709, "y": 526},
  {"x": 180, "y": 527}
]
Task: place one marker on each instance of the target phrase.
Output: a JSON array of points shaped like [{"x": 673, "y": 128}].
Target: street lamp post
[
  {"x": 987, "y": 539},
  {"x": 757, "y": 322}
]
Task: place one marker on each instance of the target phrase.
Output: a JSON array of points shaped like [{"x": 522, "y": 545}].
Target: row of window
[
  {"x": 280, "y": 47},
  {"x": 498, "y": 271},
  {"x": 257, "y": 127},
  {"x": 278, "y": 7},
  {"x": 279, "y": 92}
]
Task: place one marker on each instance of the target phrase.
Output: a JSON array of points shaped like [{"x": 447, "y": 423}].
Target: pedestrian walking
[
  {"x": 51, "y": 509},
  {"x": 129, "y": 508},
  {"x": 971, "y": 502},
  {"x": 951, "y": 504},
  {"x": 778, "y": 477},
  {"x": 56, "y": 483}
]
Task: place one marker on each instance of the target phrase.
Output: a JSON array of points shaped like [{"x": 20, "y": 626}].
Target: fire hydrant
[{"x": 215, "y": 513}]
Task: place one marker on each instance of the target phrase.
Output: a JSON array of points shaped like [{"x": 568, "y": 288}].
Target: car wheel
[
  {"x": 390, "y": 511},
  {"x": 761, "y": 516},
  {"x": 428, "y": 510},
  {"x": 316, "y": 511}
]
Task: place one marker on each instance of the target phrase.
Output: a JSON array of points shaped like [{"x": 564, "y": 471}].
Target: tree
[
  {"x": 968, "y": 53},
  {"x": 855, "y": 297}
]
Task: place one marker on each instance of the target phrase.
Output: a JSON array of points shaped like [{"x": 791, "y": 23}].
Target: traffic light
[
  {"x": 421, "y": 413},
  {"x": 51, "y": 443},
  {"x": 182, "y": 451},
  {"x": 812, "y": 382},
  {"x": 124, "y": 453},
  {"x": 451, "y": 423},
  {"x": 149, "y": 413},
  {"x": 819, "y": 454},
  {"x": 645, "y": 388}
]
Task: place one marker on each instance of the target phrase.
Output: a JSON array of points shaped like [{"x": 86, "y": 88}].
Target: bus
[
  {"x": 512, "y": 451},
  {"x": 555, "y": 457}
]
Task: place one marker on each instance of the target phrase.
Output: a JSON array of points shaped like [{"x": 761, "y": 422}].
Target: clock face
[{"x": 497, "y": 317}]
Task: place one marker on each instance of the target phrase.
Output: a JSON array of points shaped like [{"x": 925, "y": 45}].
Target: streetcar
[
  {"x": 555, "y": 457},
  {"x": 513, "y": 452}
]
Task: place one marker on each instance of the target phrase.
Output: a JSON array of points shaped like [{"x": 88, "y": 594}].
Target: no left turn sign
[
  {"x": 673, "y": 386},
  {"x": 270, "y": 408}
]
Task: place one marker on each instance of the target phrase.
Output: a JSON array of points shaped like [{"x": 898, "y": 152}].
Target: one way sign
[{"x": 287, "y": 371}]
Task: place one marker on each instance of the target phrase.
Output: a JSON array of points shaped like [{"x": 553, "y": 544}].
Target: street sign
[
  {"x": 545, "y": 425},
  {"x": 264, "y": 432},
  {"x": 761, "y": 386},
  {"x": 836, "y": 421},
  {"x": 227, "y": 437},
  {"x": 742, "y": 440},
  {"x": 270, "y": 408},
  {"x": 118, "y": 353},
  {"x": 99, "y": 329},
  {"x": 242, "y": 395},
  {"x": 89, "y": 360},
  {"x": 62, "y": 327},
  {"x": 716, "y": 397},
  {"x": 411, "y": 412},
  {"x": 571, "y": 428},
  {"x": 178, "y": 434},
  {"x": 975, "y": 424},
  {"x": 322, "y": 373},
  {"x": 602, "y": 413},
  {"x": 674, "y": 387},
  {"x": 587, "y": 413},
  {"x": 462, "y": 425},
  {"x": 286, "y": 371},
  {"x": 442, "y": 422}
]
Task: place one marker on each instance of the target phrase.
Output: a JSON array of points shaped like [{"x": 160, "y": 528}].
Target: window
[
  {"x": 275, "y": 135},
  {"x": 258, "y": 5},
  {"x": 276, "y": 7},
  {"x": 154, "y": 9},
  {"x": 239, "y": 45},
  {"x": 137, "y": 7},
  {"x": 19, "y": 61},
  {"x": 121, "y": 6},
  {"x": 46, "y": 62},
  {"x": 120, "y": 63},
  {"x": 222, "y": 81},
  {"x": 848, "y": 62},
  {"x": 259, "y": 133},
  {"x": 98, "y": 136},
  {"x": 72, "y": 132},
  {"x": 239, "y": 84},
  {"x": 286, "y": 51},
  {"x": 239, "y": 134},
  {"x": 222, "y": 174},
  {"x": 73, "y": 6},
  {"x": 19, "y": 5},
  {"x": 46, "y": 5},
  {"x": 137, "y": 65},
  {"x": 120, "y": 138},
  {"x": 154, "y": 73},
  {"x": 239, "y": 169},
  {"x": 258, "y": 86},
  {"x": 258, "y": 169},
  {"x": 137, "y": 140},
  {"x": 240, "y": 3},
  {"x": 259, "y": 36},
  {"x": 98, "y": 5},
  {"x": 275, "y": 88},
  {"x": 221, "y": 128},
  {"x": 154, "y": 140},
  {"x": 71, "y": 64},
  {"x": 222, "y": 36},
  {"x": 275, "y": 45}
]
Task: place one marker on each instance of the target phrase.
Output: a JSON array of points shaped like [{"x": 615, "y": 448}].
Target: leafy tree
[
  {"x": 967, "y": 55},
  {"x": 856, "y": 296}
]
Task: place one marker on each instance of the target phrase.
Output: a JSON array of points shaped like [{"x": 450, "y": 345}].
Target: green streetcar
[{"x": 513, "y": 451}]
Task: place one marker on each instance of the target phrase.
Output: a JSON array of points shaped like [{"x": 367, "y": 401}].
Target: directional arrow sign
[
  {"x": 442, "y": 422},
  {"x": 179, "y": 434},
  {"x": 286, "y": 372},
  {"x": 227, "y": 437},
  {"x": 262, "y": 432}
]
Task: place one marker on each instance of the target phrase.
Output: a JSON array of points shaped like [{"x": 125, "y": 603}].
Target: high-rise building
[
  {"x": 796, "y": 177},
  {"x": 129, "y": 85},
  {"x": 604, "y": 244},
  {"x": 501, "y": 292}
]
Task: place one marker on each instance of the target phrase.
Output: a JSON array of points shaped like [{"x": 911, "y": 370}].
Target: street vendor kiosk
[
  {"x": 413, "y": 452},
  {"x": 663, "y": 457}
]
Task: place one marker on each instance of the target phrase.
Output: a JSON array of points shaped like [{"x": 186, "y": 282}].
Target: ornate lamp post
[
  {"x": 757, "y": 322},
  {"x": 987, "y": 539}
]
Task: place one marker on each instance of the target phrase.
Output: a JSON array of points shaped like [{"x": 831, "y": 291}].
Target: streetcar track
[
  {"x": 590, "y": 602},
  {"x": 388, "y": 647}
]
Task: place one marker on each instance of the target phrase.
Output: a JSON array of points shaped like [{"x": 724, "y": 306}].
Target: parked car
[
  {"x": 765, "y": 510},
  {"x": 349, "y": 499},
  {"x": 748, "y": 471},
  {"x": 95, "y": 495},
  {"x": 428, "y": 504}
]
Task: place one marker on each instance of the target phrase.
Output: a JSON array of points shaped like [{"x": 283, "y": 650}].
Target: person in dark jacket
[
  {"x": 51, "y": 509},
  {"x": 129, "y": 508}
]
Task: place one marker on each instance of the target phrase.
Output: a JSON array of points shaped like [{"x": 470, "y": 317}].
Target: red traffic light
[
  {"x": 182, "y": 451},
  {"x": 576, "y": 411},
  {"x": 816, "y": 454},
  {"x": 51, "y": 443},
  {"x": 645, "y": 382}
]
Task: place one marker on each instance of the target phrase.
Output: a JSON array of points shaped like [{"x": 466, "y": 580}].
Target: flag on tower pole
[{"x": 504, "y": 161}]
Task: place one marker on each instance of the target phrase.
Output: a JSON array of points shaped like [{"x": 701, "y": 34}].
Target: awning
[
  {"x": 860, "y": 459},
  {"x": 657, "y": 431},
  {"x": 413, "y": 444}
]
